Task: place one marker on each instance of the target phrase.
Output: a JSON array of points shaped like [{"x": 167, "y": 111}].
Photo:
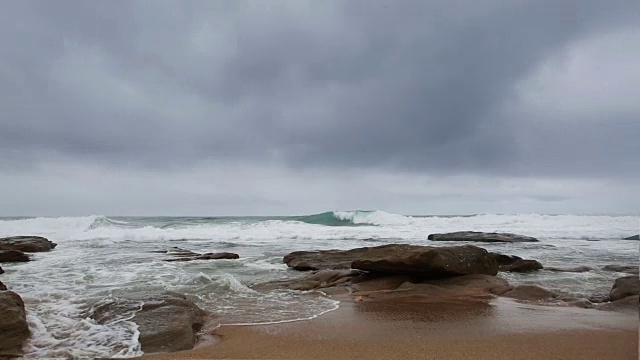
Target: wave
[{"x": 355, "y": 218}]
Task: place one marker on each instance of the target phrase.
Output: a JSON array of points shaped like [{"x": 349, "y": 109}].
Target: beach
[{"x": 502, "y": 329}]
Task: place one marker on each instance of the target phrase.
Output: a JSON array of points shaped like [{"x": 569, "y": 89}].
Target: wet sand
[{"x": 501, "y": 329}]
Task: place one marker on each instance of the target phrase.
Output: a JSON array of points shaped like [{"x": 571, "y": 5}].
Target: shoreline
[{"x": 498, "y": 329}]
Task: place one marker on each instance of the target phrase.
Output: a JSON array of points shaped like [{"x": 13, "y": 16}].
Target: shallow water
[{"x": 100, "y": 258}]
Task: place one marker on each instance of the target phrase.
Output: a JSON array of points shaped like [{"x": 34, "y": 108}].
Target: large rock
[
  {"x": 503, "y": 259},
  {"x": 13, "y": 256},
  {"x": 627, "y": 304},
  {"x": 320, "y": 279},
  {"x": 424, "y": 261},
  {"x": 522, "y": 266},
  {"x": 167, "y": 322},
  {"x": 1, "y": 271},
  {"x": 629, "y": 269},
  {"x": 481, "y": 237},
  {"x": 634, "y": 237},
  {"x": 14, "y": 330},
  {"x": 26, "y": 243},
  {"x": 625, "y": 286},
  {"x": 530, "y": 293},
  {"x": 2, "y": 286},
  {"x": 430, "y": 262}
]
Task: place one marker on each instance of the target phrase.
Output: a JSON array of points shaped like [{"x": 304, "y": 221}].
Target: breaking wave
[{"x": 355, "y": 218}]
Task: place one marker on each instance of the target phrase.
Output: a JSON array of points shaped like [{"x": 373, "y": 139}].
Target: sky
[{"x": 295, "y": 107}]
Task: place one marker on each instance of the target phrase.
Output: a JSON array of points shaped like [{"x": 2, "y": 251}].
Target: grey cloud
[{"x": 410, "y": 85}]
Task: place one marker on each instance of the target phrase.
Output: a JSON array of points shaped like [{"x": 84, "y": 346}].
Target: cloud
[{"x": 529, "y": 89}]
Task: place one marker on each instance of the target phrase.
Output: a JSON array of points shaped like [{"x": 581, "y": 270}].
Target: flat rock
[
  {"x": 530, "y": 293},
  {"x": 625, "y": 286},
  {"x": 522, "y": 266},
  {"x": 320, "y": 279},
  {"x": 167, "y": 322},
  {"x": 481, "y": 237},
  {"x": 577, "y": 269},
  {"x": 627, "y": 304},
  {"x": 634, "y": 237},
  {"x": 629, "y": 269},
  {"x": 207, "y": 256},
  {"x": 13, "y": 256},
  {"x": 503, "y": 259},
  {"x": 26, "y": 243},
  {"x": 460, "y": 288},
  {"x": 14, "y": 330}
]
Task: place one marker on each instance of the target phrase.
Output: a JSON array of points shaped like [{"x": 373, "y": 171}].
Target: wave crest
[{"x": 355, "y": 218}]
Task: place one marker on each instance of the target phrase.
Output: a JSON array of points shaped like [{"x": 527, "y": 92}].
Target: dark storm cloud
[{"x": 413, "y": 85}]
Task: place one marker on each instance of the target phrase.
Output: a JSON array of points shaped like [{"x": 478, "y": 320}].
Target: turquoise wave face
[{"x": 328, "y": 218}]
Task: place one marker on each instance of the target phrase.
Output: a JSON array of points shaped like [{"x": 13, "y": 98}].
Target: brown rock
[
  {"x": 505, "y": 259},
  {"x": 167, "y": 322},
  {"x": 629, "y": 269},
  {"x": 207, "y": 256},
  {"x": 14, "y": 330},
  {"x": 481, "y": 237},
  {"x": 627, "y": 304},
  {"x": 530, "y": 292},
  {"x": 578, "y": 269},
  {"x": 1, "y": 271},
  {"x": 26, "y": 243},
  {"x": 522, "y": 266},
  {"x": 316, "y": 280},
  {"x": 13, "y": 256},
  {"x": 625, "y": 286},
  {"x": 2, "y": 286}
]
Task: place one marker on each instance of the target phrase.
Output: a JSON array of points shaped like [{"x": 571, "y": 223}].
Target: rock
[
  {"x": 629, "y": 269},
  {"x": 316, "y": 280},
  {"x": 167, "y": 322},
  {"x": 13, "y": 256},
  {"x": 577, "y": 269},
  {"x": 14, "y": 330},
  {"x": 581, "y": 303},
  {"x": 627, "y": 304},
  {"x": 481, "y": 237},
  {"x": 1, "y": 271},
  {"x": 207, "y": 256},
  {"x": 530, "y": 293},
  {"x": 625, "y": 286},
  {"x": 429, "y": 262},
  {"x": 26, "y": 243},
  {"x": 2, "y": 286},
  {"x": 597, "y": 299},
  {"x": 459, "y": 288},
  {"x": 522, "y": 266},
  {"x": 634, "y": 237},
  {"x": 505, "y": 259}
]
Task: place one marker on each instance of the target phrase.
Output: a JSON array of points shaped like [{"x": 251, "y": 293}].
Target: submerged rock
[
  {"x": 188, "y": 255},
  {"x": 629, "y": 269},
  {"x": 167, "y": 322},
  {"x": 26, "y": 243},
  {"x": 634, "y": 237},
  {"x": 624, "y": 287},
  {"x": 522, "y": 266},
  {"x": 13, "y": 256},
  {"x": 577, "y": 269},
  {"x": 530, "y": 293},
  {"x": 481, "y": 237},
  {"x": 423, "y": 261},
  {"x": 14, "y": 330}
]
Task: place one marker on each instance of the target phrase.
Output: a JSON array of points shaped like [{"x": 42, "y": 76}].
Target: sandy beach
[{"x": 500, "y": 329}]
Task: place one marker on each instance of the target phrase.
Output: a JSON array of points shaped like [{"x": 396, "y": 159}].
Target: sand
[{"x": 501, "y": 329}]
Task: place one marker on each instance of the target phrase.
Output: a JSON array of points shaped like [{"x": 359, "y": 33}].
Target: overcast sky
[{"x": 289, "y": 107}]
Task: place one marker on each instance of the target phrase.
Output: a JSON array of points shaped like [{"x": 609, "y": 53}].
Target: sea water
[{"x": 101, "y": 258}]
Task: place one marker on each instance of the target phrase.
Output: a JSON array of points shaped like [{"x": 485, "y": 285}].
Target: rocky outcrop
[
  {"x": 26, "y": 243},
  {"x": 634, "y": 237},
  {"x": 627, "y": 304},
  {"x": 2, "y": 286},
  {"x": 167, "y": 322},
  {"x": 14, "y": 330},
  {"x": 629, "y": 269},
  {"x": 577, "y": 269},
  {"x": 522, "y": 266},
  {"x": 1, "y": 271},
  {"x": 624, "y": 287},
  {"x": 481, "y": 237},
  {"x": 188, "y": 255},
  {"x": 423, "y": 261},
  {"x": 503, "y": 259},
  {"x": 530, "y": 293},
  {"x": 320, "y": 279},
  {"x": 13, "y": 256}
]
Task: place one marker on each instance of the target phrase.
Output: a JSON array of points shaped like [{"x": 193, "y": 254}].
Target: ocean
[{"x": 101, "y": 258}]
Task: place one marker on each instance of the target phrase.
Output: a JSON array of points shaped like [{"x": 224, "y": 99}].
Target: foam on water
[{"x": 101, "y": 258}]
